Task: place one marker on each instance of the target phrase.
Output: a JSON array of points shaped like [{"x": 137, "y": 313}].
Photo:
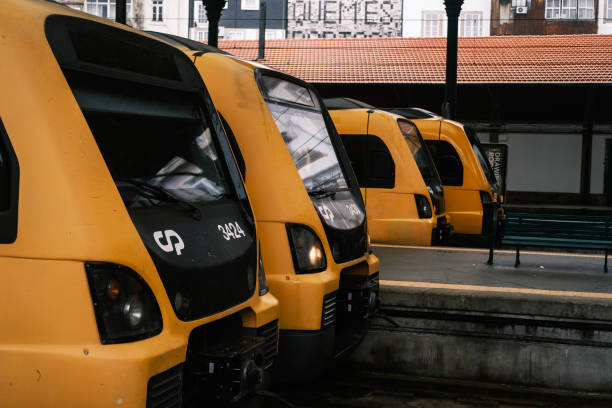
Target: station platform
[
  {"x": 446, "y": 314},
  {"x": 539, "y": 273}
]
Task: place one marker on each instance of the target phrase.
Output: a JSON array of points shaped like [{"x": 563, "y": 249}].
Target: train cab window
[
  {"x": 137, "y": 151},
  {"x": 136, "y": 96},
  {"x": 371, "y": 161},
  {"x": 234, "y": 144},
  {"x": 5, "y": 178},
  {"x": 353, "y": 144},
  {"x": 480, "y": 155},
  {"x": 300, "y": 121},
  {"x": 9, "y": 184},
  {"x": 380, "y": 165},
  {"x": 447, "y": 162},
  {"x": 420, "y": 153}
]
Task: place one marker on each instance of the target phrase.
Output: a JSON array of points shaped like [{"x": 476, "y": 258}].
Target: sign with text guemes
[{"x": 344, "y": 18}]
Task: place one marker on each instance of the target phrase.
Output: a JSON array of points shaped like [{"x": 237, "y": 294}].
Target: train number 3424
[{"x": 231, "y": 230}]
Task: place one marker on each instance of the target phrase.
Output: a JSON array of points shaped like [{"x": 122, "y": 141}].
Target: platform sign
[{"x": 497, "y": 154}]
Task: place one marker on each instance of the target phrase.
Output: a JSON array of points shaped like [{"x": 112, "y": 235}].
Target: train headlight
[
  {"x": 423, "y": 206},
  {"x": 133, "y": 312},
  {"x": 306, "y": 249},
  {"x": 124, "y": 305}
]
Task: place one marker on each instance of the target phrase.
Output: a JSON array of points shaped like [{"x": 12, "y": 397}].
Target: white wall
[
  {"x": 604, "y": 26},
  {"x": 597, "y": 163},
  {"x": 413, "y": 14},
  {"x": 548, "y": 163},
  {"x": 175, "y": 17}
]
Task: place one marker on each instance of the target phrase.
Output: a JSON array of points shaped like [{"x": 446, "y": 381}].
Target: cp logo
[
  {"x": 326, "y": 213},
  {"x": 167, "y": 235}
]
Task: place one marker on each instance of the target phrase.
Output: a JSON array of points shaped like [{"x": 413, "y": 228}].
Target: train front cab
[
  {"x": 122, "y": 283},
  {"x": 310, "y": 214},
  {"x": 403, "y": 194},
  {"x": 466, "y": 174}
]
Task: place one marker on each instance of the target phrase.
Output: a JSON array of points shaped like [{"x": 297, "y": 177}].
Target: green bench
[{"x": 555, "y": 230}]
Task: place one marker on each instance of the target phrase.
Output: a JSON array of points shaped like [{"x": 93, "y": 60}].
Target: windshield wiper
[
  {"x": 179, "y": 173},
  {"x": 326, "y": 193},
  {"x": 190, "y": 173},
  {"x": 322, "y": 193},
  {"x": 161, "y": 194}
]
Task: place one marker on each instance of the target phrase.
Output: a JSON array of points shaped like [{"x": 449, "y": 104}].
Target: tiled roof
[{"x": 499, "y": 59}]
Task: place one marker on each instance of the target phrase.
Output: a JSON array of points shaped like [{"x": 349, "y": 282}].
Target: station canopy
[{"x": 558, "y": 59}]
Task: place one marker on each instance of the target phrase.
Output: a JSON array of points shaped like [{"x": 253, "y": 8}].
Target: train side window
[
  {"x": 9, "y": 189},
  {"x": 380, "y": 166},
  {"x": 5, "y": 175},
  {"x": 234, "y": 145},
  {"x": 354, "y": 146},
  {"x": 447, "y": 162}
]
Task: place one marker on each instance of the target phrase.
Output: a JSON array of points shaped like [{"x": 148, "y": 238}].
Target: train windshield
[
  {"x": 300, "y": 121},
  {"x": 480, "y": 155},
  {"x": 154, "y": 160},
  {"x": 421, "y": 155}
]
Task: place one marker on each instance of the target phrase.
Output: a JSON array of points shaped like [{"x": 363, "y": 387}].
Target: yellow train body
[
  {"x": 392, "y": 211},
  {"x": 69, "y": 213},
  {"x": 279, "y": 198},
  {"x": 463, "y": 198}
]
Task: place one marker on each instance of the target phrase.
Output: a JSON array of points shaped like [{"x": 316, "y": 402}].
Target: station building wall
[
  {"x": 427, "y": 18},
  {"x": 598, "y": 158},
  {"x": 537, "y": 162},
  {"x": 604, "y": 17},
  {"x": 548, "y": 129}
]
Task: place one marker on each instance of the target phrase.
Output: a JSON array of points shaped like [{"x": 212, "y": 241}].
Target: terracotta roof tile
[{"x": 502, "y": 59}]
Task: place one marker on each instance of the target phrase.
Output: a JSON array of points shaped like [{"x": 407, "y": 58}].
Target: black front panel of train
[
  {"x": 343, "y": 218},
  {"x": 206, "y": 266}
]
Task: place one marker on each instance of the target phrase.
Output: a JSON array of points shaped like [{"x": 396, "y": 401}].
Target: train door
[{"x": 375, "y": 171}]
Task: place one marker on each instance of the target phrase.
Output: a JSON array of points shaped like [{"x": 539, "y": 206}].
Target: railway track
[{"x": 360, "y": 390}]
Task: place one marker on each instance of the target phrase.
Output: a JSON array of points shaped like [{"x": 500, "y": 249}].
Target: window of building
[
  {"x": 235, "y": 35},
  {"x": 471, "y": 23},
  {"x": 519, "y": 3},
  {"x": 570, "y": 9},
  {"x": 249, "y": 4},
  {"x": 552, "y": 9},
  {"x": 586, "y": 9},
  {"x": 432, "y": 24},
  {"x": 106, "y": 8},
  {"x": 202, "y": 36},
  {"x": 202, "y": 14},
  {"x": 608, "y": 9},
  {"x": 158, "y": 10}
]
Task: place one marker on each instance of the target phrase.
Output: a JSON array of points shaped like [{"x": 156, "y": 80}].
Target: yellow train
[
  {"x": 467, "y": 177},
  {"x": 128, "y": 246},
  {"x": 465, "y": 172},
  {"x": 310, "y": 214},
  {"x": 404, "y": 197}
]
